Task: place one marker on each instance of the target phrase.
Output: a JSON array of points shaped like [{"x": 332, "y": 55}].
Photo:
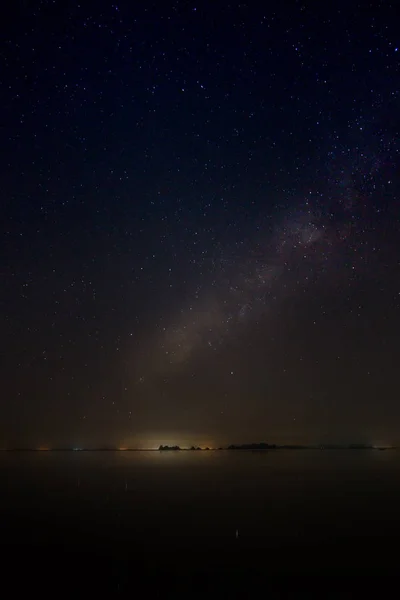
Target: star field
[{"x": 200, "y": 233}]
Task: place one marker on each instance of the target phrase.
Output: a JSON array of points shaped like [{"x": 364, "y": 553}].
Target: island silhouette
[{"x": 165, "y": 448}]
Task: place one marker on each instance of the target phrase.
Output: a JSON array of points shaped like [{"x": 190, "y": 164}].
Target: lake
[{"x": 187, "y": 515}]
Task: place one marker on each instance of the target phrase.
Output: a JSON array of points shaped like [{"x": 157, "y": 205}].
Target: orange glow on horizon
[{"x": 43, "y": 448}]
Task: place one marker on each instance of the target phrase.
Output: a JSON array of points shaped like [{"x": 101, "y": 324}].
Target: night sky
[{"x": 200, "y": 223}]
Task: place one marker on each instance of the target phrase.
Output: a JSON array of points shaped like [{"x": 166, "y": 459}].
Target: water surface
[{"x": 275, "y": 508}]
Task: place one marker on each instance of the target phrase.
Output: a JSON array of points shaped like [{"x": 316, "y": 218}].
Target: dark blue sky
[{"x": 200, "y": 223}]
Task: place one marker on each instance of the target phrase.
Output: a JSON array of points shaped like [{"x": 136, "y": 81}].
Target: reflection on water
[{"x": 207, "y": 496}]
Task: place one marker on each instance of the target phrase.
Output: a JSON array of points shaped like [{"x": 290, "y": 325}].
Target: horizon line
[{"x": 162, "y": 447}]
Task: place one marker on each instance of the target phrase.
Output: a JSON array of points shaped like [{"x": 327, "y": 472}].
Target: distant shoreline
[{"x": 237, "y": 448}]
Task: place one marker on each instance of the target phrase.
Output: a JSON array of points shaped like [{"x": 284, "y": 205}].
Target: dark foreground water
[{"x": 196, "y": 521}]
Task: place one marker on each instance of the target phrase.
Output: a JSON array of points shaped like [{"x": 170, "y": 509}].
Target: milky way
[
  {"x": 305, "y": 243},
  {"x": 201, "y": 222}
]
